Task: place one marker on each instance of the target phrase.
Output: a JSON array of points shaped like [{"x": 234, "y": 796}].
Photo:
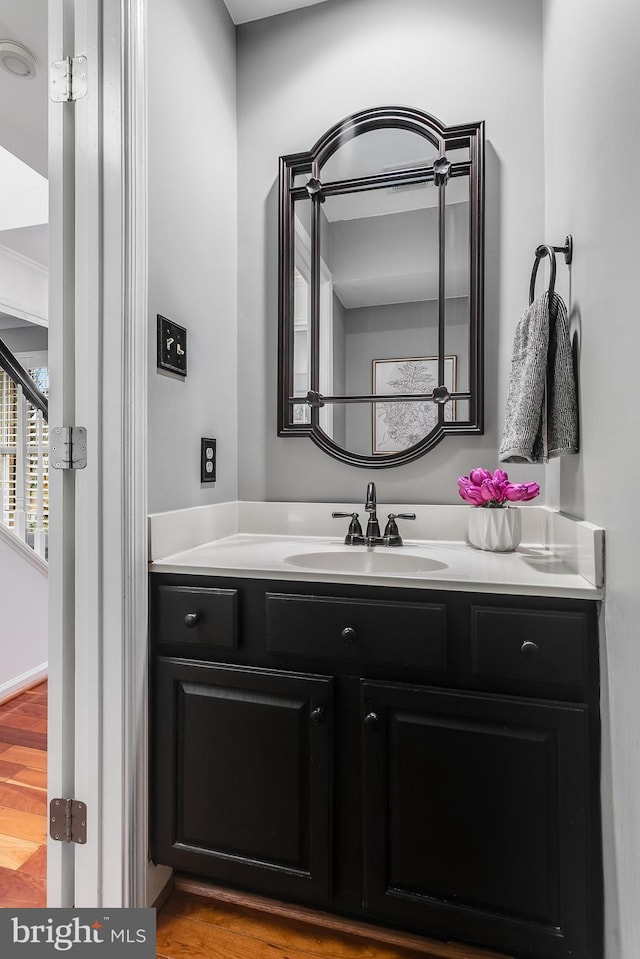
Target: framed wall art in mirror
[
  {"x": 399, "y": 426},
  {"x": 381, "y": 255}
]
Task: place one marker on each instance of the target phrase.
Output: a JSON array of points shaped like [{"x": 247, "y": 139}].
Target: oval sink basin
[{"x": 361, "y": 561}]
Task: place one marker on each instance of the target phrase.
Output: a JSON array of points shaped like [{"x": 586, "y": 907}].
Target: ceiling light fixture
[{"x": 17, "y": 60}]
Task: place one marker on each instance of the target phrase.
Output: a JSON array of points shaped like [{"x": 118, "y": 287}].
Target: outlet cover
[
  {"x": 172, "y": 346},
  {"x": 207, "y": 461}
]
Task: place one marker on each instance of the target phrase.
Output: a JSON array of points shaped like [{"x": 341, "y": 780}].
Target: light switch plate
[
  {"x": 172, "y": 346},
  {"x": 207, "y": 461}
]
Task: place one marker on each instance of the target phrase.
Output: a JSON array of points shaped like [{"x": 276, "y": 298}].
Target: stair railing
[{"x": 24, "y": 452}]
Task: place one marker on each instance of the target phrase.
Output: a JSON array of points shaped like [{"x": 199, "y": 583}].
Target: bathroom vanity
[{"x": 421, "y": 755}]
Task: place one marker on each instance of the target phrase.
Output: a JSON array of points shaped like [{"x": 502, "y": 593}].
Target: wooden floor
[
  {"x": 23, "y": 799},
  {"x": 193, "y": 926}
]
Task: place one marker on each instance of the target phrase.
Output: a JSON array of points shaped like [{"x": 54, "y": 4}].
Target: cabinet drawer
[
  {"x": 409, "y": 634},
  {"x": 532, "y": 645},
  {"x": 191, "y": 616}
]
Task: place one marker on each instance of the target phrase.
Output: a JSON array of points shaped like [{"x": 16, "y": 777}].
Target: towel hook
[{"x": 546, "y": 249}]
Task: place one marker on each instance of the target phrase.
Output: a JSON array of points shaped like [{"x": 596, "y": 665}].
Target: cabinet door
[
  {"x": 243, "y": 776},
  {"x": 476, "y": 819}
]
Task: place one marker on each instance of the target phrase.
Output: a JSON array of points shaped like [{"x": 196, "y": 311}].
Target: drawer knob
[
  {"x": 317, "y": 716},
  {"x": 371, "y": 720},
  {"x": 529, "y": 649},
  {"x": 191, "y": 620},
  {"x": 348, "y": 634}
]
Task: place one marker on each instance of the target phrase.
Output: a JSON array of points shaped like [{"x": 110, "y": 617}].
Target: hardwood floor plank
[
  {"x": 36, "y": 865},
  {"x": 36, "y": 778},
  {"x": 425, "y": 947},
  {"x": 23, "y": 825},
  {"x": 31, "y": 709},
  {"x": 9, "y": 770},
  {"x": 283, "y": 932},
  {"x": 17, "y": 720},
  {"x": 187, "y": 939},
  {"x": 23, "y": 737},
  {"x": 26, "y": 756},
  {"x": 23, "y": 797},
  {"x": 19, "y": 890},
  {"x": 40, "y": 687},
  {"x": 15, "y": 852},
  {"x": 36, "y": 696}
]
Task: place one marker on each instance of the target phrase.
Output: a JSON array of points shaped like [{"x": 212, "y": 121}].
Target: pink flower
[
  {"x": 532, "y": 490},
  {"x": 471, "y": 494},
  {"x": 478, "y": 476},
  {"x": 482, "y": 488}
]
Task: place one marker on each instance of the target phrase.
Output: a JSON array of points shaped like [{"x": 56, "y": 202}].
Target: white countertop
[{"x": 533, "y": 569}]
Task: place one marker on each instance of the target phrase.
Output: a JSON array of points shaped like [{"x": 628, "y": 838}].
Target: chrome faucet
[
  {"x": 355, "y": 536},
  {"x": 373, "y": 526}
]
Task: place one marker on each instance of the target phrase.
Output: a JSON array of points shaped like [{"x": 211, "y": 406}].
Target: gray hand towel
[{"x": 541, "y": 418}]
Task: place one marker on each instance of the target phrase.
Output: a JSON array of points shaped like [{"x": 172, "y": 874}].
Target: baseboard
[
  {"x": 15, "y": 687},
  {"x": 431, "y": 948},
  {"x": 159, "y": 885}
]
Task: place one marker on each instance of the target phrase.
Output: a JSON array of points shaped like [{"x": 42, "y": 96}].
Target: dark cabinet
[
  {"x": 243, "y": 776},
  {"x": 475, "y": 816},
  {"x": 428, "y": 760}
]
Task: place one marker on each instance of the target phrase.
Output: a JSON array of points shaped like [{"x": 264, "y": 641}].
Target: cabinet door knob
[
  {"x": 348, "y": 634},
  {"x": 371, "y": 720},
  {"x": 317, "y": 715},
  {"x": 191, "y": 620},
  {"x": 528, "y": 648}
]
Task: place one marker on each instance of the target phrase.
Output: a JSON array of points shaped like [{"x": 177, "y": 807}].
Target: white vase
[{"x": 498, "y": 529}]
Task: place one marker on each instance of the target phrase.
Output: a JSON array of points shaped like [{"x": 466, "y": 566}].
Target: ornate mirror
[{"x": 381, "y": 287}]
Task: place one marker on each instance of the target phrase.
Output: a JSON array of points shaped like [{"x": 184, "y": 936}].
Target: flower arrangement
[{"x": 482, "y": 488}]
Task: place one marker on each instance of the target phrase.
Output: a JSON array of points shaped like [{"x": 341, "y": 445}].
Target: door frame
[{"x": 98, "y": 602}]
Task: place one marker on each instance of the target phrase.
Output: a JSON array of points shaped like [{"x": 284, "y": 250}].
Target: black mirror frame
[{"x": 309, "y": 164}]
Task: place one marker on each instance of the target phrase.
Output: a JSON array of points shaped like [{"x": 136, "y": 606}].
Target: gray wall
[
  {"x": 591, "y": 82},
  {"x": 300, "y": 73},
  {"x": 192, "y": 246},
  {"x": 26, "y": 339}
]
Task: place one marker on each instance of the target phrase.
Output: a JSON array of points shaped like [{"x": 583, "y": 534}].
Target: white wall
[
  {"x": 300, "y": 73},
  {"x": 192, "y": 246},
  {"x": 23, "y": 627},
  {"x": 592, "y": 51}
]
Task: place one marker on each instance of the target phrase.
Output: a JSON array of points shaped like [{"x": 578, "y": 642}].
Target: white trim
[
  {"x": 140, "y": 882},
  {"x": 24, "y": 286},
  {"x": 9, "y": 689},
  {"x": 92, "y": 283},
  {"x": 61, "y": 653},
  {"x": 13, "y": 309},
  {"x": 11, "y": 539},
  {"x": 23, "y": 262}
]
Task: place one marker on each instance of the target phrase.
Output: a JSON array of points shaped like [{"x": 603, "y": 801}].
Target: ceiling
[
  {"x": 244, "y": 10},
  {"x": 23, "y": 120},
  {"x": 24, "y": 103}
]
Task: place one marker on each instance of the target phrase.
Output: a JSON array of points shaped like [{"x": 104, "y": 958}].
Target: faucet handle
[
  {"x": 391, "y": 534},
  {"x": 354, "y": 534}
]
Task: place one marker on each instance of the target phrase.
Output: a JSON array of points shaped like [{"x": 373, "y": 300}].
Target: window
[{"x": 24, "y": 462}]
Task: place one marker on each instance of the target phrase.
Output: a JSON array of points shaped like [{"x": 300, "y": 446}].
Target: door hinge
[
  {"x": 68, "y": 820},
  {"x": 68, "y": 448},
  {"x": 68, "y": 79}
]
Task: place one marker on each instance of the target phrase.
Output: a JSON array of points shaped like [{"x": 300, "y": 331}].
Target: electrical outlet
[
  {"x": 172, "y": 346},
  {"x": 207, "y": 461}
]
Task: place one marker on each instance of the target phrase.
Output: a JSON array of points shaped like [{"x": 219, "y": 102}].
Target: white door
[{"x": 97, "y": 553}]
